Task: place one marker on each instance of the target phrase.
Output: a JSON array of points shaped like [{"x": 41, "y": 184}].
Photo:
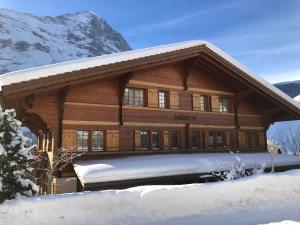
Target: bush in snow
[
  {"x": 238, "y": 169},
  {"x": 16, "y": 174}
]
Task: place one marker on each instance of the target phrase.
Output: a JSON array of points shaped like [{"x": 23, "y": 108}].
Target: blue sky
[{"x": 262, "y": 34}]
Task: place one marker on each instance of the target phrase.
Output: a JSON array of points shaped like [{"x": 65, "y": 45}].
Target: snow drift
[{"x": 256, "y": 200}]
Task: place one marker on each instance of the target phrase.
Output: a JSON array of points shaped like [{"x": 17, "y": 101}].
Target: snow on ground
[
  {"x": 254, "y": 200},
  {"x": 286, "y": 222},
  {"x": 168, "y": 165}
]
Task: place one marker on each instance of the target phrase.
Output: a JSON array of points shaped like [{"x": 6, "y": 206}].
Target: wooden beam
[{"x": 62, "y": 97}]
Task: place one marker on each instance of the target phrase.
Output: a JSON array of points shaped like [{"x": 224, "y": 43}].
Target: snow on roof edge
[{"x": 252, "y": 75}]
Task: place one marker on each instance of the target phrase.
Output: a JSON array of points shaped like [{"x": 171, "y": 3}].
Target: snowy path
[{"x": 257, "y": 200}]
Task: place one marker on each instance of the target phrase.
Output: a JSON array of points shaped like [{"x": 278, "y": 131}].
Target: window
[
  {"x": 216, "y": 139},
  {"x": 155, "y": 140},
  {"x": 134, "y": 96},
  {"x": 195, "y": 139},
  {"x": 144, "y": 140},
  {"x": 204, "y": 105},
  {"x": 82, "y": 140},
  {"x": 220, "y": 139},
  {"x": 211, "y": 139},
  {"x": 224, "y": 104},
  {"x": 162, "y": 99},
  {"x": 174, "y": 140},
  {"x": 98, "y": 140}
]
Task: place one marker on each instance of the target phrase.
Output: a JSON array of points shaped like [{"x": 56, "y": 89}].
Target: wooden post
[
  {"x": 236, "y": 120},
  {"x": 62, "y": 97}
]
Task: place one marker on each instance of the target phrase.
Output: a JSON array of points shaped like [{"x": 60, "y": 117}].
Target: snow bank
[
  {"x": 168, "y": 165},
  {"x": 271, "y": 198}
]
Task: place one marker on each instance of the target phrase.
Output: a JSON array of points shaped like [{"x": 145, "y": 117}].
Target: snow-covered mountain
[
  {"x": 28, "y": 41},
  {"x": 291, "y": 88}
]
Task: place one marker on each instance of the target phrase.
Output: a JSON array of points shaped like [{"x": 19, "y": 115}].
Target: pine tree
[{"x": 16, "y": 173}]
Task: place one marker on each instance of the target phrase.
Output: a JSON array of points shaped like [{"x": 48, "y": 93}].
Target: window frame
[
  {"x": 222, "y": 143},
  {"x": 134, "y": 96},
  {"x": 205, "y": 103},
  {"x": 198, "y": 139},
  {"x": 165, "y": 99},
  {"x": 81, "y": 149},
  {"x": 221, "y": 104},
  {"x": 171, "y": 140},
  {"x": 147, "y": 141},
  {"x": 158, "y": 134},
  {"x": 92, "y": 141}
]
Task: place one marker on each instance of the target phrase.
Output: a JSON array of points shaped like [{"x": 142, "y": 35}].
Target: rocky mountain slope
[{"x": 28, "y": 41}]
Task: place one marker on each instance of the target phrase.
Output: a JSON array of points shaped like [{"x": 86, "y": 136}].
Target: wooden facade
[{"x": 208, "y": 106}]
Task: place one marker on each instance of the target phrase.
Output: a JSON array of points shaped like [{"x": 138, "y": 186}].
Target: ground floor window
[
  {"x": 195, "y": 139},
  {"x": 211, "y": 139},
  {"x": 82, "y": 140},
  {"x": 144, "y": 140},
  {"x": 220, "y": 139},
  {"x": 216, "y": 140},
  {"x": 155, "y": 140},
  {"x": 174, "y": 139},
  {"x": 98, "y": 141}
]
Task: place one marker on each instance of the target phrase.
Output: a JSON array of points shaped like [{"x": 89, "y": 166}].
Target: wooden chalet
[{"x": 179, "y": 98}]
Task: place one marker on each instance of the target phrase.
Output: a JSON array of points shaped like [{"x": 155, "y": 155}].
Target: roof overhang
[{"x": 55, "y": 76}]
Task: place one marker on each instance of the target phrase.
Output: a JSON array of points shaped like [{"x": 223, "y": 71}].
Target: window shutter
[
  {"x": 227, "y": 139},
  {"x": 174, "y": 100},
  {"x": 242, "y": 139},
  {"x": 69, "y": 139},
  {"x": 206, "y": 139},
  {"x": 137, "y": 139},
  {"x": 112, "y": 140},
  {"x": 152, "y": 98},
  {"x": 196, "y": 102},
  {"x": 165, "y": 139},
  {"x": 261, "y": 139},
  {"x": 215, "y": 103}
]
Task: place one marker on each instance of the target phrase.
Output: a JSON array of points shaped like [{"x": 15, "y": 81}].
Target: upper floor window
[
  {"x": 224, "y": 104},
  {"x": 98, "y": 140},
  {"x": 162, "y": 99},
  {"x": 82, "y": 140},
  {"x": 204, "y": 103},
  {"x": 133, "y": 96}
]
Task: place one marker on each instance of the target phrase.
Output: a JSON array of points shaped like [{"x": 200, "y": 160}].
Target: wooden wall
[{"x": 95, "y": 106}]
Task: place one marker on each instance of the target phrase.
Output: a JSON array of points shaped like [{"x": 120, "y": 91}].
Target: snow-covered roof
[
  {"x": 76, "y": 65},
  {"x": 297, "y": 98},
  {"x": 168, "y": 165}
]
